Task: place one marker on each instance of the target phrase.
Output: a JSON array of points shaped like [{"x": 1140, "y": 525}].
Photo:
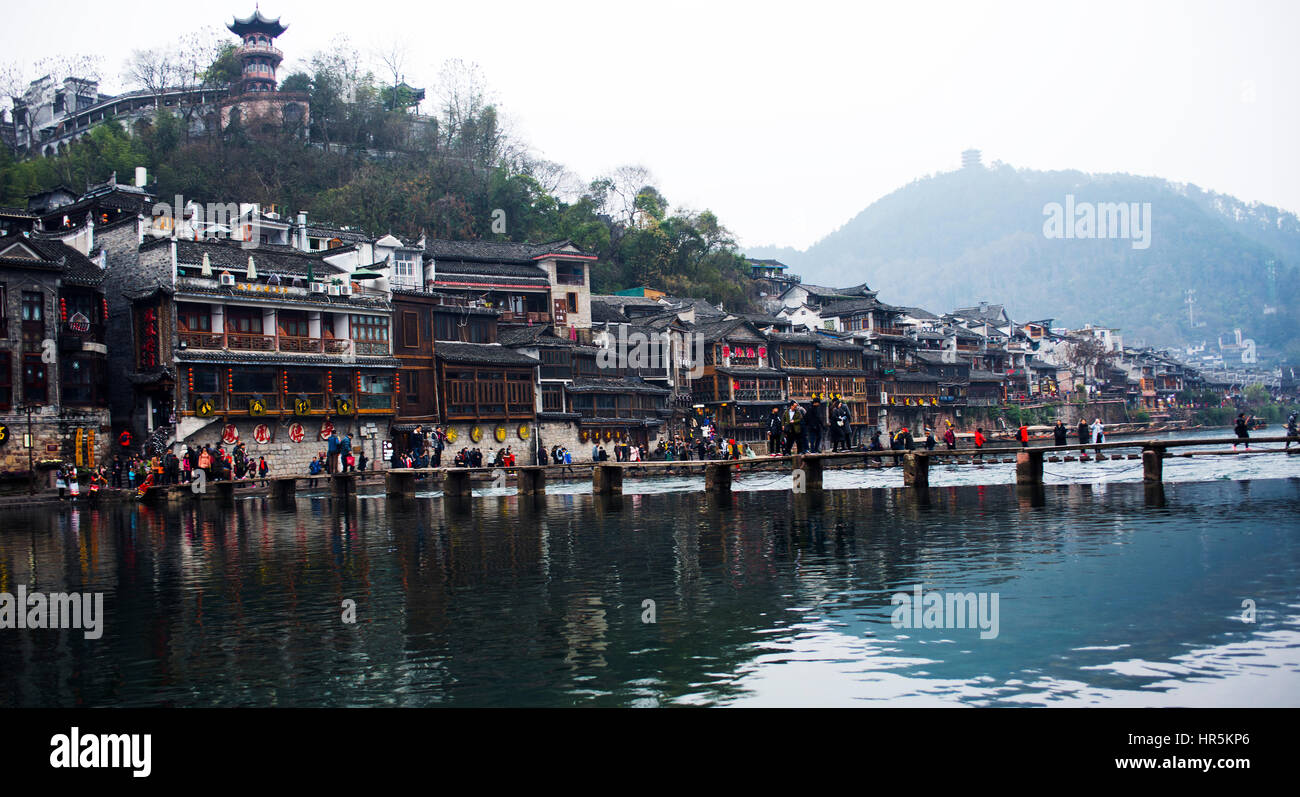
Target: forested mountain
[{"x": 980, "y": 233}]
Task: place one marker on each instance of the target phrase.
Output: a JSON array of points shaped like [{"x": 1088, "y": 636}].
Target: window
[
  {"x": 410, "y": 329},
  {"x": 244, "y": 321},
  {"x": 35, "y": 390},
  {"x": 572, "y": 302},
  {"x": 6, "y": 381},
  {"x": 404, "y": 270},
  {"x": 206, "y": 380},
  {"x": 369, "y": 328},
  {"x": 78, "y": 380},
  {"x": 250, "y": 380},
  {"x": 411, "y": 385},
  {"x": 305, "y": 382},
  {"x": 33, "y": 306},
  {"x": 552, "y": 398},
  {"x": 293, "y": 324},
  {"x": 194, "y": 317}
]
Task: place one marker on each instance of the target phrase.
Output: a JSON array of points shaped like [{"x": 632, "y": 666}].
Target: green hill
[{"x": 957, "y": 238}]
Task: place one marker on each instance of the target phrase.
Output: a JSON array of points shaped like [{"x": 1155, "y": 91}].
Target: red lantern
[
  {"x": 397, "y": 383},
  {"x": 762, "y": 351},
  {"x": 726, "y": 351},
  {"x": 63, "y": 309}
]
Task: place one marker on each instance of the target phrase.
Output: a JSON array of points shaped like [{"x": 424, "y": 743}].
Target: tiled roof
[
  {"x": 493, "y": 353},
  {"x": 602, "y": 313},
  {"x": 487, "y": 273},
  {"x": 279, "y": 358},
  {"x": 614, "y": 386},
  {"x": 267, "y": 258},
  {"x": 490, "y": 251},
  {"x": 76, "y": 268}
]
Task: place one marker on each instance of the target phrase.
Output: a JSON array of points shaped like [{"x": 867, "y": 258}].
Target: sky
[{"x": 787, "y": 119}]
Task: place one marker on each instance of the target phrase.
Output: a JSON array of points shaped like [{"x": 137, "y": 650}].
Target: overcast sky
[{"x": 786, "y": 119}]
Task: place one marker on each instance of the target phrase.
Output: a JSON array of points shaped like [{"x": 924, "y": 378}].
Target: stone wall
[
  {"x": 54, "y": 438},
  {"x": 284, "y": 456}
]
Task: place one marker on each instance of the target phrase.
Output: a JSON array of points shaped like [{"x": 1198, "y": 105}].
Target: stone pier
[
  {"x": 717, "y": 478},
  {"x": 1029, "y": 467},
  {"x": 916, "y": 469},
  {"x": 607, "y": 480},
  {"x": 531, "y": 480},
  {"x": 455, "y": 483},
  {"x": 400, "y": 482}
]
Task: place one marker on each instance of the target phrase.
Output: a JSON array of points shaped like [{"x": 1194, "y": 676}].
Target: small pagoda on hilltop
[{"x": 255, "y": 103}]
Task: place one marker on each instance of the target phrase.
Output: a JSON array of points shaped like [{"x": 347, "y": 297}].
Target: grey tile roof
[
  {"x": 490, "y": 251},
  {"x": 614, "y": 386},
  {"x": 493, "y": 353},
  {"x": 267, "y": 258},
  {"x": 278, "y": 358},
  {"x": 487, "y": 272},
  {"x": 76, "y": 268}
]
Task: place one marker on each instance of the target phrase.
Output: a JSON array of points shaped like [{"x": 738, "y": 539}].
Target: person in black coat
[
  {"x": 814, "y": 426},
  {"x": 774, "y": 432},
  {"x": 1059, "y": 433},
  {"x": 1085, "y": 434}
]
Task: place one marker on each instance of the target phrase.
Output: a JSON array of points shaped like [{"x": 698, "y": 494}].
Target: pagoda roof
[{"x": 257, "y": 22}]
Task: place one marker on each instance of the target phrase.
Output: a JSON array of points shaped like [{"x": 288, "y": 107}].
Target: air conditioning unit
[
  {"x": 334, "y": 290},
  {"x": 227, "y": 278},
  {"x": 318, "y": 287},
  {"x": 345, "y": 290}
]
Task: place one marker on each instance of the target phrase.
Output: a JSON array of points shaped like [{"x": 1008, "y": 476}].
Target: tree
[{"x": 1086, "y": 355}]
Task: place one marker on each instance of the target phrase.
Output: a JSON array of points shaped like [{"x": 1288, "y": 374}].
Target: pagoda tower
[{"x": 258, "y": 55}]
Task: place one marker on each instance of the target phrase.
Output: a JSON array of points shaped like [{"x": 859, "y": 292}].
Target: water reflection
[{"x": 760, "y": 597}]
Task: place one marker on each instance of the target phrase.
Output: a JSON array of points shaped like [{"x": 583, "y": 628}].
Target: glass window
[
  {"x": 369, "y": 328},
  {"x": 33, "y": 306}
]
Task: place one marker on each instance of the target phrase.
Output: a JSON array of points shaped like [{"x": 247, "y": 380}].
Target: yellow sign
[
  {"x": 500, "y": 434},
  {"x": 451, "y": 435},
  {"x": 343, "y": 406},
  {"x": 476, "y": 434},
  {"x": 4, "y": 434},
  {"x": 523, "y": 431},
  {"x": 302, "y": 406},
  {"x": 203, "y": 407},
  {"x": 81, "y": 461},
  {"x": 257, "y": 406}
]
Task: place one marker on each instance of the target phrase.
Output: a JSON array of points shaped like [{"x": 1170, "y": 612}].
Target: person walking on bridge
[
  {"x": 1059, "y": 434},
  {"x": 1098, "y": 433},
  {"x": 1023, "y": 436},
  {"x": 792, "y": 427},
  {"x": 1242, "y": 428},
  {"x": 1290, "y": 429},
  {"x": 1085, "y": 436},
  {"x": 979, "y": 441}
]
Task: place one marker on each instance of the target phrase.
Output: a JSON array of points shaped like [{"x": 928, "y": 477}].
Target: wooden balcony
[
  {"x": 239, "y": 341},
  {"x": 302, "y": 345},
  {"x": 246, "y": 341}
]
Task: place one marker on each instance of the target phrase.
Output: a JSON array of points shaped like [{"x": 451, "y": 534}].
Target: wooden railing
[
  {"x": 240, "y": 341},
  {"x": 293, "y": 343},
  {"x": 247, "y": 341}
]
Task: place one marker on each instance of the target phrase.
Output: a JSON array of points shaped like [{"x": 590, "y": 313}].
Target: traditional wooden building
[
  {"x": 269, "y": 346},
  {"x": 52, "y": 355},
  {"x": 739, "y": 385}
]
